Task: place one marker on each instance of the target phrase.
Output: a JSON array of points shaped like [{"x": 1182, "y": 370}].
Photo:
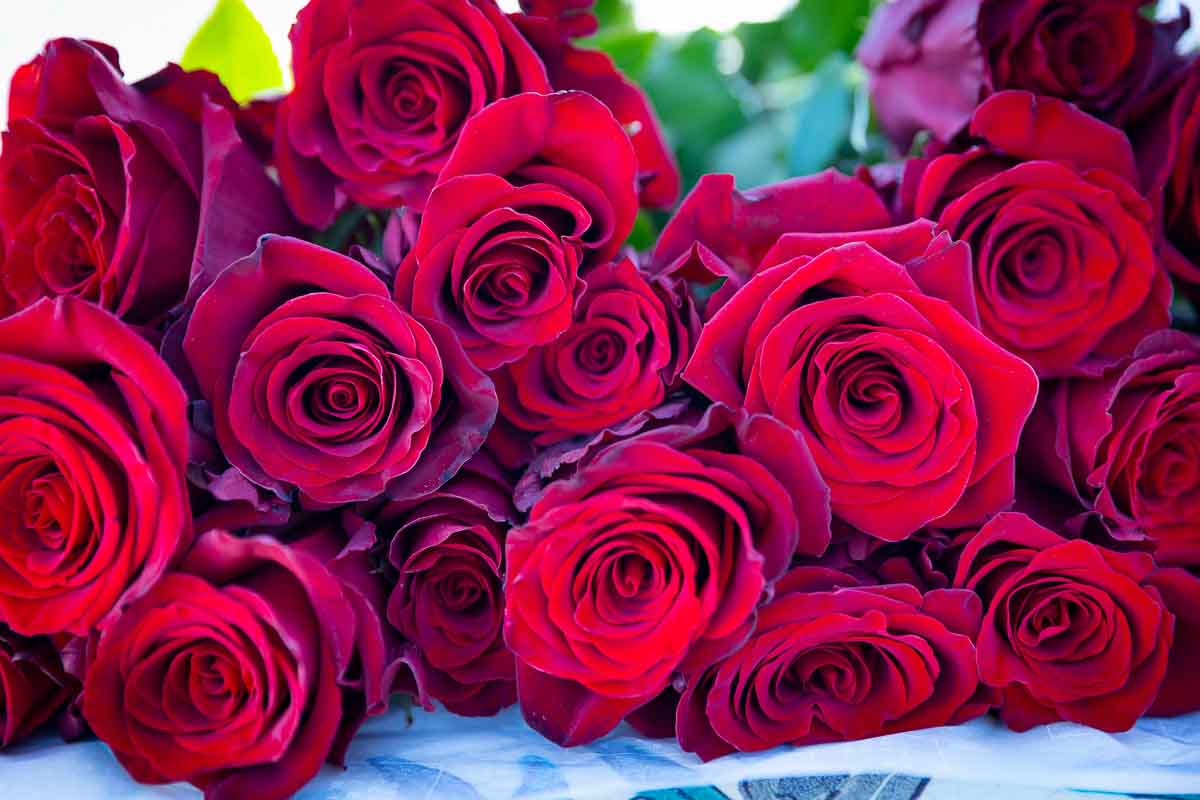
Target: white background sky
[{"x": 149, "y": 33}]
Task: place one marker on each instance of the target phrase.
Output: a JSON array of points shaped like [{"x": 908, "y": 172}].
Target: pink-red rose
[
  {"x": 912, "y": 415},
  {"x": 652, "y": 557},
  {"x": 318, "y": 382},
  {"x": 835, "y": 663},
  {"x": 93, "y": 453},
  {"x": 1071, "y": 631},
  {"x": 383, "y": 90},
  {"x": 1065, "y": 252},
  {"x": 1125, "y": 444}
]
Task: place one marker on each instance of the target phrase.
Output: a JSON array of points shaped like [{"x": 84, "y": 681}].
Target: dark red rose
[
  {"x": 912, "y": 415},
  {"x": 447, "y": 552},
  {"x": 568, "y": 140},
  {"x": 317, "y": 381},
  {"x": 550, "y": 26},
  {"x": 836, "y": 664},
  {"x": 382, "y": 92},
  {"x": 721, "y": 233},
  {"x": 1166, "y": 138},
  {"x": 926, "y": 560},
  {"x": 1180, "y": 592},
  {"x": 33, "y": 685},
  {"x": 93, "y": 453},
  {"x": 651, "y": 558},
  {"x": 1126, "y": 445},
  {"x": 1071, "y": 631},
  {"x": 227, "y": 673},
  {"x": 119, "y": 194},
  {"x": 625, "y": 349},
  {"x": 931, "y": 62},
  {"x": 499, "y": 264},
  {"x": 1065, "y": 253}
]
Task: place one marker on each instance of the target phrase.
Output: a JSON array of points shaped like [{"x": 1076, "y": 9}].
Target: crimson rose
[
  {"x": 652, "y": 557},
  {"x": 115, "y": 193},
  {"x": 912, "y": 415},
  {"x": 227, "y": 673},
  {"x": 625, "y": 349},
  {"x": 932, "y": 61},
  {"x": 317, "y": 381},
  {"x": 93, "y": 452},
  {"x": 447, "y": 551},
  {"x": 1065, "y": 255},
  {"x": 830, "y": 664},
  {"x": 1126, "y": 444},
  {"x": 33, "y": 685},
  {"x": 383, "y": 90},
  {"x": 1071, "y": 631}
]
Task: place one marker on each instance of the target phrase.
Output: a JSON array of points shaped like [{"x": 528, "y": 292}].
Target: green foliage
[
  {"x": 764, "y": 101},
  {"x": 232, "y": 43}
]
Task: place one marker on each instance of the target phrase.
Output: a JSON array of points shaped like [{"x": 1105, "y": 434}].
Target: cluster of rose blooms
[{"x": 842, "y": 456}]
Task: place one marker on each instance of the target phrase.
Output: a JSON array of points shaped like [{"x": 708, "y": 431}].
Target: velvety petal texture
[
  {"x": 33, "y": 685},
  {"x": 1065, "y": 252},
  {"x": 622, "y": 577},
  {"x": 226, "y": 674},
  {"x": 318, "y": 382},
  {"x": 383, "y": 90},
  {"x": 93, "y": 454},
  {"x": 832, "y": 664},
  {"x": 912, "y": 415},
  {"x": 1071, "y": 631}
]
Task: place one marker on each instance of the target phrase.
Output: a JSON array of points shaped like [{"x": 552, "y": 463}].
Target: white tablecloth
[{"x": 442, "y": 756}]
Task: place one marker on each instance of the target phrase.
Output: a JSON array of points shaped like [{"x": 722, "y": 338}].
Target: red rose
[
  {"x": 1065, "y": 261},
  {"x": 832, "y": 664},
  {"x": 652, "y": 557},
  {"x": 1166, "y": 138},
  {"x": 926, "y": 560},
  {"x": 383, "y": 90},
  {"x": 112, "y": 193},
  {"x": 912, "y": 415},
  {"x": 497, "y": 263},
  {"x": 1071, "y": 631},
  {"x": 932, "y": 61},
  {"x": 1126, "y": 444},
  {"x": 567, "y": 139},
  {"x": 227, "y": 673},
  {"x": 33, "y": 685},
  {"x": 93, "y": 451},
  {"x": 625, "y": 349},
  {"x": 1180, "y": 592},
  {"x": 317, "y": 381},
  {"x": 447, "y": 551},
  {"x": 550, "y": 26}
]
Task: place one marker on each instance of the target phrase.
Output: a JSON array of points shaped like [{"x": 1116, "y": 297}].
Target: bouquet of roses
[{"x": 359, "y": 394}]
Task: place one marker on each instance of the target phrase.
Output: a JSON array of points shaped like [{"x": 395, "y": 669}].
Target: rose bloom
[
  {"x": 1071, "y": 631},
  {"x": 831, "y": 663},
  {"x": 228, "y": 673},
  {"x": 931, "y": 62},
  {"x": 33, "y": 685},
  {"x": 382, "y": 91},
  {"x": 118, "y": 193},
  {"x": 630, "y": 339},
  {"x": 1065, "y": 252},
  {"x": 912, "y": 415},
  {"x": 93, "y": 453},
  {"x": 1126, "y": 444},
  {"x": 1180, "y": 590},
  {"x": 1166, "y": 137},
  {"x": 568, "y": 140},
  {"x": 318, "y": 382},
  {"x": 653, "y": 556},
  {"x": 446, "y": 552}
]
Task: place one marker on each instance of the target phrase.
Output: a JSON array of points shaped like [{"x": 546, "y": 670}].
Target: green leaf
[
  {"x": 232, "y": 44},
  {"x": 644, "y": 233},
  {"x": 611, "y": 13},
  {"x": 630, "y": 48},
  {"x": 823, "y": 118}
]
